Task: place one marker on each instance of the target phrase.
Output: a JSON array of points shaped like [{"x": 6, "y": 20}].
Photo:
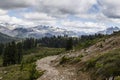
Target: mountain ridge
[
  {"x": 40, "y": 31},
  {"x": 36, "y": 31},
  {"x": 109, "y": 30},
  {"x": 5, "y": 38}
]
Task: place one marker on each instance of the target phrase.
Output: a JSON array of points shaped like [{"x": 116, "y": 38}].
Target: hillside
[
  {"x": 5, "y": 38},
  {"x": 39, "y": 31},
  {"x": 60, "y": 40},
  {"x": 87, "y": 64}
]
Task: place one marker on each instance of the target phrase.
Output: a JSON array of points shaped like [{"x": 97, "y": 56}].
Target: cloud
[
  {"x": 37, "y": 16},
  {"x": 84, "y": 26},
  {"x": 110, "y": 8},
  {"x": 48, "y": 23},
  {"x": 2, "y": 12},
  {"x": 14, "y": 4},
  {"x": 82, "y": 15},
  {"x": 67, "y": 7},
  {"x": 40, "y": 18},
  {"x": 14, "y": 20}
]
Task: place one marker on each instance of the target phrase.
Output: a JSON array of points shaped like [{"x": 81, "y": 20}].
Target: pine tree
[
  {"x": 13, "y": 52},
  {"x": 19, "y": 53},
  {"x": 69, "y": 44},
  {"x": 10, "y": 55},
  {"x": 1, "y": 48},
  {"x": 5, "y": 56}
]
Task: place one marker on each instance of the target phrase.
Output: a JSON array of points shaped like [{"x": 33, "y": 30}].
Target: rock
[{"x": 5, "y": 72}]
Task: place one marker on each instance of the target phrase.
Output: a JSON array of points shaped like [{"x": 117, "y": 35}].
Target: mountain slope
[
  {"x": 109, "y": 30},
  {"x": 5, "y": 38},
  {"x": 99, "y": 58},
  {"x": 40, "y": 31},
  {"x": 92, "y": 63},
  {"x": 36, "y": 32}
]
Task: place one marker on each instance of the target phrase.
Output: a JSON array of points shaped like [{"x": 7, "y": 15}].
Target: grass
[
  {"x": 104, "y": 66},
  {"x": 88, "y": 43},
  {"x": 117, "y": 78},
  {"x": 27, "y": 69},
  {"x": 42, "y": 52},
  {"x": 70, "y": 60}
]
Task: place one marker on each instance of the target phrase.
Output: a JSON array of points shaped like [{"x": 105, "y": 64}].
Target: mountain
[
  {"x": 109, "y": 30},
  {"x": 7, "y": 28},
  {"x": 39, "y": 31},
  {"x": 5, "y": 38}
]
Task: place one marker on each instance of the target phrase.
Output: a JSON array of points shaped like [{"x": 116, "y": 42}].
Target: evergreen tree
[
  {"x": 69, "y": 44},
  {"x": 5, "y": 56},
  {"x": 13, "y": 53},
  {"x": 1, "y": 48},
  {"x": 19, "y": 53}
]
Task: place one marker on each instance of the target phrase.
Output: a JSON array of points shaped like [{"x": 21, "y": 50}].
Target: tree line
[
  {"x": 67, "y": 42},
  {"x": 56, "y": 41},
  {"x": 12, "y": 52}
]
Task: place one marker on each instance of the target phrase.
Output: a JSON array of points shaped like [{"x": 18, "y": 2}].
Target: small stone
[{"x": 5, "y": 72}]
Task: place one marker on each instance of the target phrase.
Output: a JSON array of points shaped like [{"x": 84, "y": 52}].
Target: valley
[
  {"x": 67, "y": 63},
  {"x": 59, "y": 40},
  {"x": 73, "y": 64}
]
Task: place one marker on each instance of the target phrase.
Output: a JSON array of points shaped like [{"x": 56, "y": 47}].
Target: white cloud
[
  {"x": 8, "y": 4},
  {"x": 58, "y": 8},
  {"x": 84, "y": 26},
  {"x": 14, "y": 20},
  {"x": 43, "y": 22},
  {"x": 2, "y": 12},
  {"x": 37, "y": 16},
  {"x": 110, "y": 8},
  {"x": 51, "y": 12},
  {"x": 40, "y": 18}
]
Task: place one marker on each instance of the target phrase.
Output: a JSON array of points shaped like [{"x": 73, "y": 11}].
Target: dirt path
[{"x": 52, "y": 72}]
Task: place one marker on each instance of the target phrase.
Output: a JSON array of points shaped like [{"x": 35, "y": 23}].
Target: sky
[{"x": 77, "y": 15}]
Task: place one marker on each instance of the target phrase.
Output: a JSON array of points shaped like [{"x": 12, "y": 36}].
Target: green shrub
[
  {"x": 107, "y": 65},
  {"x": 76, "y": 60},
  {"x": 101, "y": 45},
  {"x": 117, "y": 78},
  {"x": 34, "y": 74},
  {"x": 26, "y": 70},
  {"x": 64, "y": 59},
  {"x": 90, "y": 64}
]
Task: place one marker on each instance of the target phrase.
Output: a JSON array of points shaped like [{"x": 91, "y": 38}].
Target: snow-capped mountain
[
  {"x": 39, "y": 31},
  {"x": 109, "y": 30},
  {"x": 5, "y": 38},
  {"x": 7, "y": 28},
  {"x": 36, "y": 32}
]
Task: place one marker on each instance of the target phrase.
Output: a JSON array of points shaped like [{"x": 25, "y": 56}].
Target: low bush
[
  {"x": 64, "y": 59},
  {"x": 33, "y": 73},
  {"x": 105, "y": 66}
]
